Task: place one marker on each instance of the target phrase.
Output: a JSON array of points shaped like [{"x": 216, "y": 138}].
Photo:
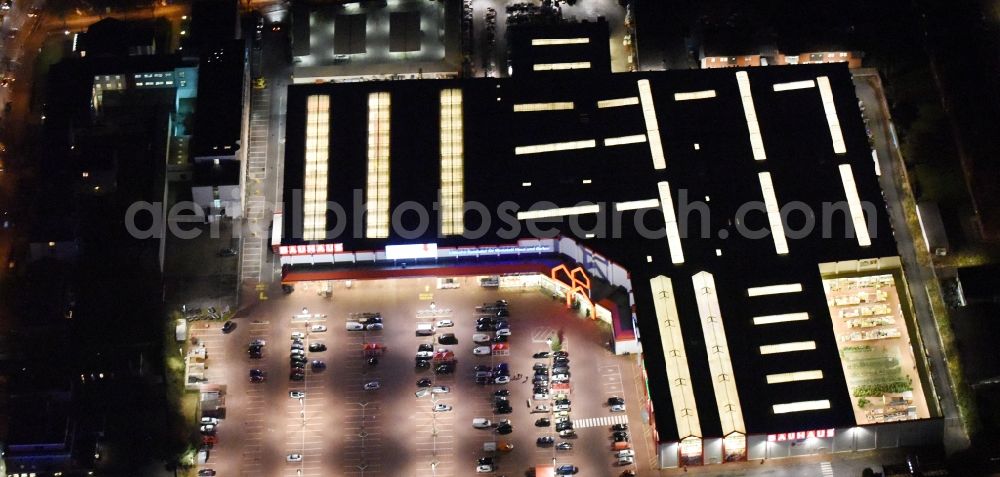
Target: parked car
[
  {"x": 567, "y": 469},
  {"x": 317, "y": 365},
  {"x": 543, "y": 422},
  {"x": 316, "y": 346},
  {"x": 562, "y": 426},
  {"x": 481, "y": 338},
  {"x": 296, "y": 394},
  {"x": 293, "y": 458},
  {"x": 371, "y": 386},
  {"x": 229, "y": 326},
  {"x": 445, "y": 323},
  {"x": 540, "y": 355},
  {"x": 440, "y": 390},
  {"x": 298, "y": 335},
  {"x": 448, "y": 339},
  {"x": 545, "y": 441},
  {"x": 564, "y": 445},
  {"x": 425, "y": 347},
  {"x": 481, "y": 423},
  {"x": 619, "y": 427},
  {"x": 440, "y": 407},
  {"x": 505, "y": 428},
  {"x": 373, "y": 326},
  {"x": 567, "y": 433},
  {"x": 424, "y": 382},
  {"x": 539, "y": 408},
  {"x": 354, "y": 326},
  {"x": 317, "y": 328},
  {"x": 445, "y": 368},
  {"x": 501, "y": 380},
  {"x": 617, "y": 408},
  {"x": 207, "y": 429},
  {"x": 209, "y": 420},
  {"x": 482, "y": 351},
  {"x": 204, "y": 472},
  {"x": 501, "y": 393}
]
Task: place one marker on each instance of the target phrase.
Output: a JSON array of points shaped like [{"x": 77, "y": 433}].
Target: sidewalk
[{"x": 842, "y": 464}]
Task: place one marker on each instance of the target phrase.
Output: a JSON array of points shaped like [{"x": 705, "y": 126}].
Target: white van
[
  {"x": 425, "y": 329},
  {"x": 354, "y": 326}
]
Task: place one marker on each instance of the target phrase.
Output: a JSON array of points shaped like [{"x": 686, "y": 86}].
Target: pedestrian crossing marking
[
  {"x": 826, "y": 469},
  {"x": 606, "y": 421}
]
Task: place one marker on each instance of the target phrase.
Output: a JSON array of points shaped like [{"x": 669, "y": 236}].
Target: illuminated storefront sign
[
  {"x": 310, "y": 249},
  {"x": 416, "y": 250},
  {"x": 794, "y": 436},
  {"x": 510, "y": 250},
  {"x": 690, "y": 451}
]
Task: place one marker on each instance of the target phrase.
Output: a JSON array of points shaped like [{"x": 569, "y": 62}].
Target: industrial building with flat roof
[{"x": 738, "y": 209}]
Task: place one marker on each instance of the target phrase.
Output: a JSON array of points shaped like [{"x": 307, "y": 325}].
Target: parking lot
[{"x": 341, "y": 428}]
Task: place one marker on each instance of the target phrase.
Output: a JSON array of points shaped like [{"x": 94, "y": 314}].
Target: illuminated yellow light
[
  {"x": 670, "y": 219},
  {"x": 746, "y": 96},
  {"x": 788, "y": 347},
  {"x": 317, "y": 161},
  {"x": 587, "y": 181},
  {"x": 775, "y": 289},
  {"x": 577, "y": 65},
  {"x": 773, "y": 213},
  {"x": 553, "y": 147},
  {"x": 379, "y": 107},
  {"x": 618, "y": 102},
  {"x": 854, "y": 205},
  {"x": 531, "y": 107},
  {"x": 826, "y": 94},
  {"x": 652, "y": 126},
  {"x": 690, "y": 95},
  {"x": 675, "y": 357},
  {"x": 782, "y": 318},
  {"x": 525, "y": 184},
  {"x": 794, "y": 376},
  {"x": 452, "y": 163},
  {"x": 558, "y": 41},
  {"x": 720, "y": 363},
  {"x": 801, "y": 406},
  {"x": 559, "y": 212},
  {"x": 637, "y": 204},
  {"x": 622, "y": 140}
]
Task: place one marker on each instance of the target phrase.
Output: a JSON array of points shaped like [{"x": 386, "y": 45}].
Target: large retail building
[{"x": 738, "y": 210}]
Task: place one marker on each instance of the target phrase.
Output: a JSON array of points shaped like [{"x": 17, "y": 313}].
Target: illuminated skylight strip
[
  {"x": 317, "y": 162},
  {"x": 794, "y": 376},
  {"x": 452, "y": 163},
  {"x": 652, "y": 127},
  {"x": 756, "y": 140},
  {"x": 854, "y": 204},
  {"x": 637, "y": 204},
  {"x": 794, "y": 85},
  {"x": 670, "y": 219},
  {"x": 558, "y": 41},
  {"x": 577, "y": 65},
  {"x": 801, "y": 406},
  {"x": 530, "y": 107},
  {"x": 622, "y": 140},
  {"x": 675, "y": 358},
  {"x": 788, "y": 347},
  {"x": 775, "y": 289},
  {"x": 560, "y": 212},
  {"x": 773, "y": 213},
  {"x": 719, "y": 361},
  {"x": 689, "y": 95},
  {"x": 553, "y": 147},
  {"x": 618, "y": 102},
  {"x": 783, "y": 318},
  {"x": 826, "y": 94},
  {"x": 377, "y": 194}
]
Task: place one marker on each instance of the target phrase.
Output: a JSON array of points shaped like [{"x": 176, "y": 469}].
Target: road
[
  {"x": 266, "y": 151},
  {"x": 893, "y": 176}
]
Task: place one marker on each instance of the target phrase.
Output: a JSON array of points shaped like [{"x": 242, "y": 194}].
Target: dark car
[
  {"x": 560, "y": 361},
  {"x": 481, "y": 368},
  {"x": 483, "y": 327},
  {"x": 619, "y": 427},
  {"x": 502, "y": 368},
  {"x": 505, "y": 428},
  {"x": 565, "y": 425},
  {"x": 257, "y": 372},
  {"x": 448, "y": 339},
  {"x": 501, "y": 392},
  {"x": 229, "y": 326},
  {"x": 445, "y": 368},
  {"x": 423, "y": 363},
  {"x": 541, "y": 390},
  {"x": 561, "y": 354},
  {"x": 615, "y": 400},
  {"x": 543, "y": 422},
  {"x": 372, "y": 361},
  {"x": 539, "y": 366},
  {"x": 620, "y": 435},
  {"x": 483, "y": 380},
  {"x": 317, "y": 346},
  {"x": 567, "y": 470},
  {"x": 563, "y": 401},
  {"x": 317, "y": 365},
  {"x": 298, "y": 364},
  {"x": 503, "y": 409},
  {"x": 540, "y": 355},
  {"x": 485, "y": 461},
  {"x": 297, "y": 376},
  {"x": 560, "y": 370},
  {"x": 206, "y": 473},
  {"x": 298, "y": 345},
  {"x": 500, "y": 339},
  {"x": 424, "y": 382},
  {"x": 425, "y": 347},
  {"x": 545, "y": 441},
  {"x": 256, "y": 379}
]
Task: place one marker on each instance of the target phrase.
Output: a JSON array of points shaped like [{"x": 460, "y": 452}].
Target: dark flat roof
[
  {"x": 219, "y": 107},
  {"x": 800, "y": 160}
]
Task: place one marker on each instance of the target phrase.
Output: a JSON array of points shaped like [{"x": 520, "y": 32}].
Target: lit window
[
  {"x": 452, "y": 163},
  {"x": 379, "y": 109},
  {"x": 788, "y": 347}
]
